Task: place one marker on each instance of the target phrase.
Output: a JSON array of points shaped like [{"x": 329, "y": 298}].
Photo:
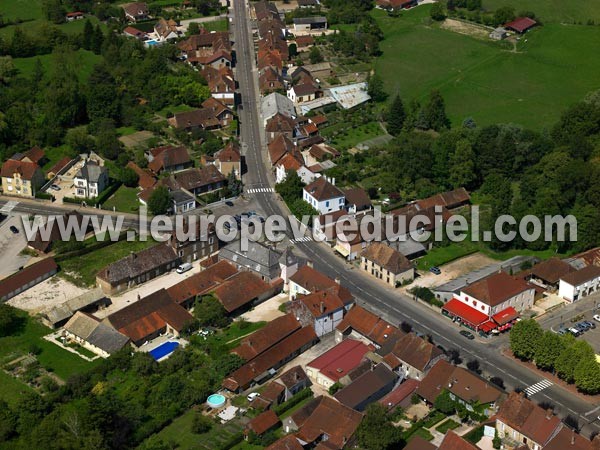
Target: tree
[
  {"x": 570, "y": 357},
  {"x": 376, "y": 431},
  {"x": 129, "y": 178},
  {"x": 315, "y": 55},
  {"x": 435, "y": 111},
  {"x": 462, "y": 171},
  {"x": 10, "y": 321},
  {"x": 550, "y": 347},
  {"x": 159, "y": 201},
  {"x": 497, "y": 381},
  {"x": 193, "y": 28},
  {"x": 444, "y": 403},
  {"x": 438, "y": 12},
  {"x": 524, "y": 338},
  {"x": 375, "y": 89},
  {"x": 587, "y": 375},
  {"x": 210, "y": 312},
  {"x": 473, "y": 366},
  {"x": 102, "y": 96},
  {"x": 7, "y": 69},
  {"x": 96, "y": 40},
  {"x": 291, "y": 188},
  {"x": 87, "y": 35},
  {"x": 54, "y": 11},
  {"x": 503, "y": 15},
  {"x": 201, "y": 424},
  {"x": 396, "y": 116}
]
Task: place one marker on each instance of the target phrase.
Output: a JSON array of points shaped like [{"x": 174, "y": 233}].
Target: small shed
[{"x": 499, "y": 33}]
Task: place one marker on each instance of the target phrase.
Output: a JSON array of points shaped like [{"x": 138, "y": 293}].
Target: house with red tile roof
[
  {"x": 520, "y": 24},
  {"x": 411, "y": 355},
  {"x": 463, "y": 386},
  {"x": 293, "y": 381},
  {"x": 288, "y": 442},
  {"x": 266, "y": 364},
  {"x": 27, "y": 278},
  {"x": 145, "y": 178},
  {"x": 135, "y": 11},
  {"x": 307, "y": 280},
  {"x": 272, "y": 333},
  {"x": 229, "y": 160},
  {"x": 322, "y": 310},
  {"x": 324, "y": 196},
  {"x": 401, "y": 396},
  {"x": 282, "y": 146},
  {"x": 21, "y": 178},
  {"x": 324, "y": 420},
  {"x": 280, "y": 124},
  {"x": 568, "y": 439},
  {"x": 241, "y": 291},
  {"x": 366, "y": 325},
  {"x": 453, "y": 441},
  {"x": 328, "y": 368},
  {"x": 387, "y": 264},
  {"x": 368, "y": 388},
  {"x": 492, "y": 302},
  {"x": 262, "y": 423},
  {"x": 581, "y": 283},
  {"x": 150, "y": 317},
  {"x": 168, "y": 158},
  {"x": 520, "y": 420}
]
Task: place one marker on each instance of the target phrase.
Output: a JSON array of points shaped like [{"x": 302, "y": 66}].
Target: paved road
[{"x": 391, "y": 305}]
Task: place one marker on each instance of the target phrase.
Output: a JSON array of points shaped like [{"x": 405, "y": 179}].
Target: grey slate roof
[
  {"x": 309, "y": 20},
  {"x": 96, "y": 333},
  {"x": 276, "y": 103},
  {"x": 70, "y": 307},
  {"x": 259, "y": 258},
  {"x": 91, "y": 172}
]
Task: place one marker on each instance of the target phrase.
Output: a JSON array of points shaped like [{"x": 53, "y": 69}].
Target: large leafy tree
[
  {"x": 159, "y": 201},
  {"x": 570, "y": 357},
  {"x": 376, "y": 431},
  {"x": 549, "y": 349},
  {"x": 462, "y": 172},
  {"x": 210, "y": 312},
  {"x": 524, "y": 339},
  {"x": 102, "y": 96},
  {"x": 587, "y": 375}
]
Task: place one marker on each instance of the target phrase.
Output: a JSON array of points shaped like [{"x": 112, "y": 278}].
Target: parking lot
[{"x": 572, "y": 314}]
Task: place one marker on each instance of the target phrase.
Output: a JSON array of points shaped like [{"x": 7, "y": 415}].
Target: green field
[
  {"x": 35, "y": 22},
  {"x": 85, "y": 62},
  {"x": 21, "y": 9},
  {"x": 51, "y": 357},
  {"x": 217, "y": 25},
  {"x": 343, "y": 136},
  {"x": 484, "y": 80},
  {"x": 124, "y": 200},
  {"x": 82, "y": 270},
  {"x": 552, "y": 10}
]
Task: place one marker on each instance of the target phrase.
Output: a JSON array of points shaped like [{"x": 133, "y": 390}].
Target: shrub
[
  {"x": 201, "y": 424},
  {"x": 297, "y": 398}
]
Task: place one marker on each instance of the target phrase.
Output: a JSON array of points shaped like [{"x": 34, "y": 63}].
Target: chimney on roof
[
  {"x": 572, "y": 437},
  {"x": 337, "y": 280},
  {"x": 309, "y": 263},
  {"x": 322, "y": 307},
  {"x": 549, "y": 413}
]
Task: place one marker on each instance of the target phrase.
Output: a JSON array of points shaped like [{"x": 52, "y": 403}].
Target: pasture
[
  {"x": 83, "y": 60},
  {"x": 553, "y": 10},
  {"x": 485, "y": 79}
]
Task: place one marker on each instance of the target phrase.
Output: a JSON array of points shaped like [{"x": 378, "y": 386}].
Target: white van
[{"x": 184, "y": 268}]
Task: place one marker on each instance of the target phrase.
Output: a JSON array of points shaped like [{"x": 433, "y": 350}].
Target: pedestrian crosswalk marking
[
  {"x": 257, "y": 190},
  {"x": 302, "y": 239},
  {"x": 9, "y": 207},
  {"x": 538, "y": 387}
]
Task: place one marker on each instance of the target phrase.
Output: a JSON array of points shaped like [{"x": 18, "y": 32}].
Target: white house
[
  {"x": 582, "y": 283},
  {"x": 323, "y": 310},
  {"x": 90, "y": 180},
  {"x": 301, "y": 93},
  {"x": 324, "y": 196}
]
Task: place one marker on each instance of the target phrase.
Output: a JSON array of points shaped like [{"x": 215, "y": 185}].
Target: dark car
[
  {"x": 14, "y": 229},
  {"x": 435, "y": 270},
  {"x": 229, "y": 203},
  {"x": 468, "y": 335},
  {"x": 591, "y": 325},
  {"x": 582, "y": 326}
]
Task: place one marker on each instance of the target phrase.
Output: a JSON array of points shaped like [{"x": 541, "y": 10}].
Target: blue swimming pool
[{"x": 163, "y": 350}]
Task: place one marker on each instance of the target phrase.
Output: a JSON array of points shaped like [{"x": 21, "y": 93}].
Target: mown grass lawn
[
  {"x": 484, "y": 79},
  {"x": 21, "y": 9},
  {"x": 124, "y": 200},
  {"x": 34, "y": 21},
  {"x": 51, "y": 357},
  {"x": 84, "y": 62},
  {"x": 343, "y": 137},
  {"x": 216, "y": 25},
  {"x": 82, "y": 270},
  {"x": 552, "y": 10},
  {"x": 447, "y": 425}
]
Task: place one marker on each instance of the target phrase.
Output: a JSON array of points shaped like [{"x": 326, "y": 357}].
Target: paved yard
[
  {"x": 453, "y": 270},
  {"x": 266, "y": 311},
  {"x": 11, "y": 246},
  {"x": 48, "y": 294}
]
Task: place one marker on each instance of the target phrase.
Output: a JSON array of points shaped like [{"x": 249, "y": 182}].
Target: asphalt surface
[{"x": 393, "y": 306}]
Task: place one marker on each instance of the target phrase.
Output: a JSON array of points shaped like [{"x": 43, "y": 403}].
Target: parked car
[
  {"x": 597, "y": 317},
  {"x": 229, "y": 203},
  {"x": 252, "y": 395},
  {"x": 184, "y": 267},
  {"x": 574, "y": 331},
  {"x": 562, "y": 331},
  {"x": 582, "y": 326},
  {"x": 435, "y": 270},
  {"x": 592, "y": 325},
  {"x": 14, "y": 229},
  {"x": 468, "y": 335},
  {"x": 55, "y": 187}
]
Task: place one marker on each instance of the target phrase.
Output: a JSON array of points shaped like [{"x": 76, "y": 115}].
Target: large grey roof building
[
  {"x": 258, "y": 258},
  {"x": 276, "y": 103},
  {"x": 95, "y": 335}
]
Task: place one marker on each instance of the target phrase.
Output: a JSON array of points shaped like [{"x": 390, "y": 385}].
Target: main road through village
[{"x": 391, "y": 305}]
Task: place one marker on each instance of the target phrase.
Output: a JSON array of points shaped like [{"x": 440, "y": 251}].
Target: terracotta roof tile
[
  {"x": 240, "y": 290},
  {"x": 322, "y": 190},
  {"x": 581, "y": 276},
  {"x": 263, "y": 422},
  {"x": 453, "y": 441},
  {"x": 26, "y": 169},
  {"x": 496, "y": 288},
  {"x": 341, "y": 359},
  {"x": 288, "y": 442},
  {"x": 25, "y": 276},
  {"x": 386, "y": 257},
  {"x": 369, "y": 325},
  {"x": 313, "y": 281},
  {"x": 416, "y": 351},
  {"x": 202, "y": 282},
  {"x": 272, "y": 333}
]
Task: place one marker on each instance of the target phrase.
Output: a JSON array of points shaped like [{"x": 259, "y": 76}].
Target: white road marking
[
  {"x": 302, "y": 239},
  {"x": 263, "y": 190},
  {"x": 538, "y": 387},
  {"x": 8, "y": 207}
]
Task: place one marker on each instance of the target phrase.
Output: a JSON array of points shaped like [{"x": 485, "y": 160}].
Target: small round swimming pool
[{"x": 216, "y": 401}]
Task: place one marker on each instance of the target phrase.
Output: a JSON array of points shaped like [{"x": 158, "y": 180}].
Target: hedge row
[
  {"x": 104, "y": 195},
  {"x": 297, "y": 398}
]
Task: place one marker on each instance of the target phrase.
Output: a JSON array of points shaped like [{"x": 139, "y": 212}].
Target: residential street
[{"x": 391, "y": 305}]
